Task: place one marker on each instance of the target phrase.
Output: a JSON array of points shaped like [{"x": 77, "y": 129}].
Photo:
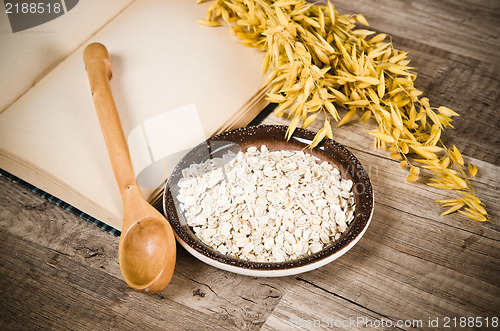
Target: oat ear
[{"x": 313, "y": 51}]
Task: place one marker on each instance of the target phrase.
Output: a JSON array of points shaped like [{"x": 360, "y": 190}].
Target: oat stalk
[{"x": 318, "y": 60}]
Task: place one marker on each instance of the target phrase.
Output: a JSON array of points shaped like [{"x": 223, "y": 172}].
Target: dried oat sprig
[
  {"x": 468, "y": 205},
  {"x": 318, "y": 60}
]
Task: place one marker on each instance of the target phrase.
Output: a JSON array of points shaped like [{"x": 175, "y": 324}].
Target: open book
[{"x": 175, "y": 83}]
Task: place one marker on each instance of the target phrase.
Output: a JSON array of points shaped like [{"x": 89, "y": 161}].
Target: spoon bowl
[
  {"x": 142, "y": 264},
  {"x": 147, "y": 244}
]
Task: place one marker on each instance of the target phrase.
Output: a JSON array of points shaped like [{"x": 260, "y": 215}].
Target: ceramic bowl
[{"x": 273, "y": 138}]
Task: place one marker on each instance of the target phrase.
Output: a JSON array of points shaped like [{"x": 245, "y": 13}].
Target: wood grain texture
[
  {"x": 226, "y": 300},
  {"x": 469, "y": 28},
  {"x": 59, "y": 272},
  {"x": 48, "y": 290}
]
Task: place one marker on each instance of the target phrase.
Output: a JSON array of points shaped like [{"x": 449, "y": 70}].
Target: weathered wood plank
[
  {"x": 307, "y": 306},
  {"x": 400, "y": 272},
  {"x": 468, "y": 28},
  {"x": 410, "y": 287},
  {"x": 44, "y": 289},
  {"x": 237, "y": 301},
  {"x": 34, "y": 219},
  {"x": 389, "y": 284},
  {"x": 245, "y": 302}
]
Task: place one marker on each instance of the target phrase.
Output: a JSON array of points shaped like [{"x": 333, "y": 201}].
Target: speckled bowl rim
[{"x": 273, "y": 137}]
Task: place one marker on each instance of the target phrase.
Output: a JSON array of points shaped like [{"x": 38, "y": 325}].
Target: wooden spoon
[{"x": 147, "y": 244}]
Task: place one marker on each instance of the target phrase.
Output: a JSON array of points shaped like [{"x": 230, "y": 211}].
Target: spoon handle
[{"x": 98, "y": 66}]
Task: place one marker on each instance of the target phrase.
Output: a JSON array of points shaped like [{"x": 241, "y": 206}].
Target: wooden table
[{"x": 412, "y": 267}]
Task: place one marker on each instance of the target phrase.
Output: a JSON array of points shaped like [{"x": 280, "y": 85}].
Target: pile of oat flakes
[{"x": 266, "y": 206}]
